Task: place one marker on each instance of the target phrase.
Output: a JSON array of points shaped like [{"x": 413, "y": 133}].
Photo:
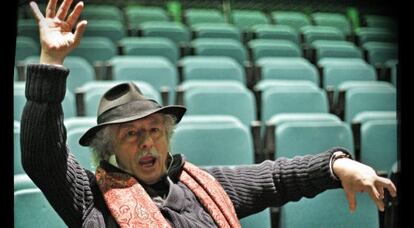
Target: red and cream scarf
[{"x": 131, "y": 206}]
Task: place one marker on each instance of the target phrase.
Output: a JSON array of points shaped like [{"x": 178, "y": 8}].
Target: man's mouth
[{"x": 147, "y": 161}]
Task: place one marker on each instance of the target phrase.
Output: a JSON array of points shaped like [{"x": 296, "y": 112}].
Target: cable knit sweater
[{"x": 75, "y": 195}]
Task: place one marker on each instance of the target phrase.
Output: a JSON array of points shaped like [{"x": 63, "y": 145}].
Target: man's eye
[
  {"x": 131, "y": 133},
  {"x": 155, "y": 130}
]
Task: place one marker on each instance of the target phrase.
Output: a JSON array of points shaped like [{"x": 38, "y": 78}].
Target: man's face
[{"x": 141, "y": 147}]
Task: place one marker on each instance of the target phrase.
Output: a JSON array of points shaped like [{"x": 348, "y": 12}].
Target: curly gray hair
[{"x": 102, "y": 144}]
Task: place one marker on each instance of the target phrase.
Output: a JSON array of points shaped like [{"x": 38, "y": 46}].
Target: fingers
[
  {"x": 387, "y": 183},
  {"x": 381, "y": 192},
  {"x": 51, "y": 8},
  {"x": 73, "y": 17},
  {"x": 36, "y": 11},
  {"x": 375, "y": 196},
  {"x": 80, "y": 28},
  {"x": 63, "y": 9},
  {"x": 351, "y": 200}
]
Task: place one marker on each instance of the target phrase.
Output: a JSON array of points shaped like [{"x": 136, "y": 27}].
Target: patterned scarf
[{"x": 131, "y": 206}]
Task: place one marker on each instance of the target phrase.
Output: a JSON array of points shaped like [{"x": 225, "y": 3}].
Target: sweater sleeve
[
  {"x": 252, "y": 188},
  {"x": 45, "y": 156}
]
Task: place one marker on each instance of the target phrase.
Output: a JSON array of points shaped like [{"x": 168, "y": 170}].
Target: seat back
[
  {"x": 312, "y": 33},
  {"x": 25, "y": 47},
  {"x": 246, "y": 19},
  {"x": 261, "y": 219},
  {"x": 287, "y": 69},
  {"x": 261, "y": 48},
  {"x": 194, "y": 16},
  {"x": 220, "y": 98},
  {"x": 335, "y": 49},
  {"x": 293, "y": 98},
  {"x": 310, "y": 137},
  {"x": 329, "y": 209},
  {"x": 377, "y": 53},
  {"x": 28, "y": 28},
  {"x": 211, "y": 68},
  {"x": 336, "y": 20},
  {"x": 220, "y": 47},
  {"x": 19, "y": 101},
  {"x": 17, "y": 160},
  {"x": 23, "y": 181},
  {"x": 79, "y": 122},
  {"x": 294, "y": 19},
  {"x": 31, "y": 209},
  {"x": 102, "y": 12},
  {"x": 114, "y": 30},
  {"x": 83, "y": 154},
  {"x": 93, "y": 49},
  {"x": 335, "y": 74},
  {"x": 216, "y": 30},
  {"x": 277, "y": 32},
  {"x": 213, "y": 140},
  {"x": 81, "y": 71},
  {"x": 369, "y": 34},
  {"x": 178, "y": 33},
  {"x": 136, "y": 15},
  {"x": 150, "y": 46},
  {"x": 379, "y": 144},
  {"x": 369, "y": 99},
  {"x": 156, "y": 71}
]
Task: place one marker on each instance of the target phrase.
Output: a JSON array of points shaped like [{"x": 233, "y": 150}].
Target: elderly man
[{"x": 144, "y": 185}]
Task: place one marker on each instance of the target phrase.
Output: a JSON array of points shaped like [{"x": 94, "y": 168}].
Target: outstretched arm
[
  {"x": 357, "y": 177},
  {"x": 55, "y": 28},
  {"x": 274, "y": 183}
]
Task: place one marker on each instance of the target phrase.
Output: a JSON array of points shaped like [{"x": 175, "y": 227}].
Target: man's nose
[{"x": 146, "y": 141}]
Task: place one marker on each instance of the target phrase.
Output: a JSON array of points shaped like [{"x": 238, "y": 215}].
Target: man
[{"x": 145, "y": 186}]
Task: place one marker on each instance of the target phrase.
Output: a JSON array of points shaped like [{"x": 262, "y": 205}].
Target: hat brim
[{"x": 175, "y": 110}]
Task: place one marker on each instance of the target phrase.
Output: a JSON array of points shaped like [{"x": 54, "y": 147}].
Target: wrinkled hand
[
  {"x": 56, "y": 36},
  {"x": 357, "y": 177}
]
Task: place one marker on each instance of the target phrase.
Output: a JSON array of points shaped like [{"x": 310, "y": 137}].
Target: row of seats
[
  {"x": 318, "y": 47},
  {"x": 182, "y": 35},
  {"x": 225, "y": 141},
  {"x": 103, "y": 62},
  {"x": 270, "y": 97},
  {"x": 379, "y": 55},
  {"x": 41, "y": 213},
  {"x": 133, "y": 17}
]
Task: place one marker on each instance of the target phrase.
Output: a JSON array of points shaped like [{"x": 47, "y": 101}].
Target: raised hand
[
  {"x": 55, "y": 28},
  {"x": 357, "y": 177}
]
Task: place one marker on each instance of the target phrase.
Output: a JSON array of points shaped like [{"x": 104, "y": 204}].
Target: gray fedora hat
[{"x": 123, "y": 103}]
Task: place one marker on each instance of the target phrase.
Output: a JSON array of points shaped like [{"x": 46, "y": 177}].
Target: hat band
[{"x": 135, "y": 108}]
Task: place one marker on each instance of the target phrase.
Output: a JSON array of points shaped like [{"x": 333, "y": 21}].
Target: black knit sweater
[{"x": 75, "y": 195}]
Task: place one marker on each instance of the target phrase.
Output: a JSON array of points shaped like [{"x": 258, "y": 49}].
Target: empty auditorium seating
[
  {"x": 329, "y": 209},
  {"x": 379, "y": 144},
  {"x": 211, "y": 68},
  {"x": 31, "y": 209},
  {"x": 219, "y": 98},
  {"x": 213, "y": 140},
  {"x": 150, "y": 46},
  {"x": 80, "y": 70},
  {"x": 25, "y": 46},
  {"x": 19, "y": 97},
  {"x": 155, "y": 70},
  {"x": 294, "y": 19},
  {"x": 194, "y": 16}
]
